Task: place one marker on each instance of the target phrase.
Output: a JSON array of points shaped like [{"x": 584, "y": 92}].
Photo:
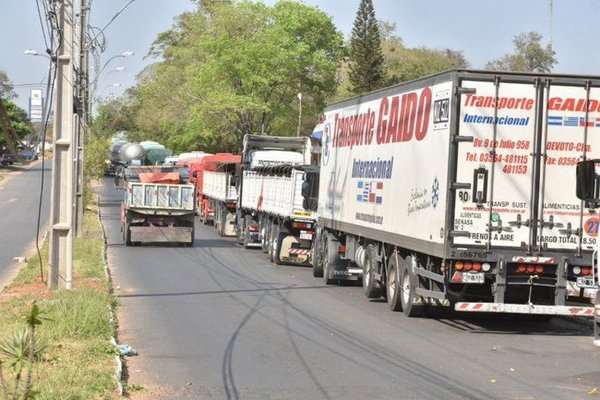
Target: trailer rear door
[
  {"x": 495, "y": 177},
  {"x": 571, "y": 132}
]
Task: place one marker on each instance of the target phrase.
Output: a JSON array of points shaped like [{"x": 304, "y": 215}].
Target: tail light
[
  {"x": 586, "y": 271},
  {"x": 521, "y": 268},
  {"x": 530, "y": 269},
  {"x": 472, "y": 266},
  {"x": 253, "y": 228},
  {"x": 341, "y": 249},
  {"x": 301, "y": 225},
  {"x": 539, "y": 269},
  {"x": 576, "y": 270}
]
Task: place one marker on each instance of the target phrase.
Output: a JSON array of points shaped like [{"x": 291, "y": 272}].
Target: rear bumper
[
  {"x": 573, "y": 311},
  {"x": 159, "y": 234}
]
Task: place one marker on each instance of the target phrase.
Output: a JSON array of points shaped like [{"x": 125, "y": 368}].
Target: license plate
[
  {"x": 304, "y": 235},
  {"x": 468, "y": 277},
  {"x": 585, "y": 282}
]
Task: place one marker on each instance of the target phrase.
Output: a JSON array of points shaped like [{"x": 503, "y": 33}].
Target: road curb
[{"x": 111, "y": 310}]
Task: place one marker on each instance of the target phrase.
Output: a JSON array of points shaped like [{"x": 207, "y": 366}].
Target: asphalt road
[
  {"x": 217, "y": 321},
  {"x": 19, "y": 197}
]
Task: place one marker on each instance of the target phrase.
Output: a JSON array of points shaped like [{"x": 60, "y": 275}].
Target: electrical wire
[
  {"x": 113, "y": 18},
  {"x": 43, "y": 28}
]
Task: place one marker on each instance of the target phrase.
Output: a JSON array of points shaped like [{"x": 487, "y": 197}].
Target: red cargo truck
[{"x": 213, "y": 205}]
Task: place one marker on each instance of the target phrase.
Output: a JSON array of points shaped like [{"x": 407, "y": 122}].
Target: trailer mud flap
[
  {"x": 158, "y": 234},
  {"x": 508, "y": 308}
]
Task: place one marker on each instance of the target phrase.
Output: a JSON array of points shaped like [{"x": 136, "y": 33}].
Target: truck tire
[
  {"x": 247, "y": 223},
  {"x": 127, "y": 234},
  {"x": 191, "y": 243},
  {"x": 330, "y": 258},
  {"x": 408, "y": 283},
  {"x": 277, "y": 247},
  {"x": 240, "y": 229},
  {"x": 264, "y": 232},
  {"x": 222, "y": 225},
  {"x": 274, "y": 232},
  {"x": 371, "y": 287},
  {"x": 317, "y": 250},
  {"x": 393, "y": 283}
]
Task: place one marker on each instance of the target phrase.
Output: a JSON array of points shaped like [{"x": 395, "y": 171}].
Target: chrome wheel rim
[
  {"x": 406, "y": 288},
  {"x": 391, "y": 286}
]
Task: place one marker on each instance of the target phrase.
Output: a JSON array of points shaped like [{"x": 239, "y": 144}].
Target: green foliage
[
  {"x": 94, "y": 165},
  {"x": 18, "y": 118},
  {"x": 403, "y": 63},
  {"x": 78, "y": 359},
  {"x": 529, "y": 56},
  {"x": 6, "y": 88},
  {"x": 367, "y": 62},
  {"x": 232, "y": 68},
  {"x": 96, "y": 153},
  {"x": 20, "y": 352}
]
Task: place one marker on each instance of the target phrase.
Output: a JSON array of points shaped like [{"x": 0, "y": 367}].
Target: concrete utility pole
[
  {"x": 63, "y": 194},
  {"x": 81, "y": 119}
]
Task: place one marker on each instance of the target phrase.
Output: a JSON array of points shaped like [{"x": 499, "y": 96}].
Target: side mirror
[{"x": 588, "y": 181}]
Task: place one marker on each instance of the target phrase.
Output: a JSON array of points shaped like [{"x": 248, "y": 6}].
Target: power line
[
  {"x": 113, "y": 18},
  {"x": 37, "y": 3}
]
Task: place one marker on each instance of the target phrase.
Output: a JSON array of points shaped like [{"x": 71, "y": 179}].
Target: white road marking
[{"x": 12, "y": 200}]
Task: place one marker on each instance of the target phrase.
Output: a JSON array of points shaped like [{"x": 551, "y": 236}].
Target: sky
[{"x": 482, "y": 29}]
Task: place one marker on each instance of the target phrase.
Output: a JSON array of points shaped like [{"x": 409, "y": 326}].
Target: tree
[
  {"x": 403, "y": 63},
  {"x": 367, "y": 63},
  {"x": 233, "y": 68},
  {"x": 6, "y": 87},
  {"x": 19, "y": 120},
  {"x": 529, "y": 56}
]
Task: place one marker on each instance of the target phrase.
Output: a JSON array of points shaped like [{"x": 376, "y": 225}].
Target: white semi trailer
[
  {"x": 459, "y": 189},
  {"x": 272, "y": 211}
]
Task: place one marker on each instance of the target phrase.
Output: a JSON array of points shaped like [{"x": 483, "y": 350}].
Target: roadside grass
[{"x": 78, "y": 362}]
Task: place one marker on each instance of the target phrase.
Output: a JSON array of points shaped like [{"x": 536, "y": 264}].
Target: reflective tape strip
[
  {"x": 536, "y": 260},
  {"x": 300, "y": 251},
  {"x": 525, "y": 309}
]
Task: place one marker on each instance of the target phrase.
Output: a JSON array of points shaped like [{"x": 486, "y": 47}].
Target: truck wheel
[
  {"x": 408, "y": 284},
  {"x": 272, "y": 238},
  {"x": 393, "y": 284},
  {"x": 370, "y": 285},
  {"x": 127, "y": 235},
  {"x": 277, "y": 247},
  {"x": 240, "y": 229},
  {"x": 191, "y": 242},
  {"x": 330, "y": 258},
  {"x": 317, "y": 266},
  {"x": 264, "y": 231}
]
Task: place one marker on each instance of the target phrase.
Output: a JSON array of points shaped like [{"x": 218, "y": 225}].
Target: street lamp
[
  {"x": 118, "y": 69},
  {"x": 107, "y": 86},
  {"x": 32, "y": 52},
  {"x": 98, "y": 72}
]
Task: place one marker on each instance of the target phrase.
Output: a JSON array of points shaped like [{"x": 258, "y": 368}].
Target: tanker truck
[
  {"x": 459, "y": 190},
  {"x": 129, "y": 153}
]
